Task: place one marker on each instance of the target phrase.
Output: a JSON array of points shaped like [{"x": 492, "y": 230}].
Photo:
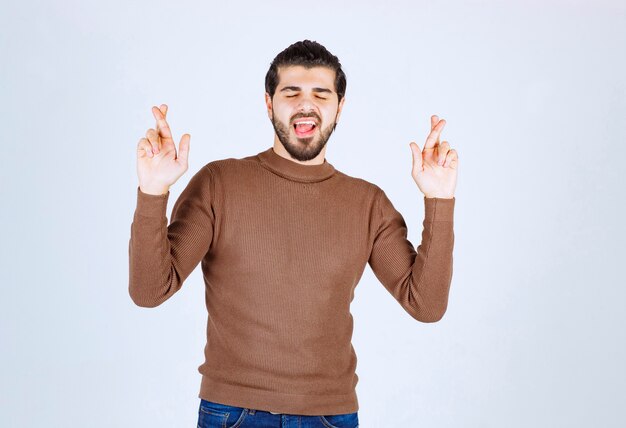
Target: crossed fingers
[
  {"x": 154, "y": 139},
  {"x": 446, "y": 156},
  {"x": 162, "y": 127}
]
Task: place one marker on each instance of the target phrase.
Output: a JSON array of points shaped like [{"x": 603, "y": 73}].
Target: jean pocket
[
  {"x": 348, "y": 420},
  {"x": 217, "y": 415}
]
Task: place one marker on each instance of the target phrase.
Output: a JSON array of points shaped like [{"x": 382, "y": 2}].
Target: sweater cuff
[
  {"x": 151, "y": 205},
  {"x": 439, "y": 209}
]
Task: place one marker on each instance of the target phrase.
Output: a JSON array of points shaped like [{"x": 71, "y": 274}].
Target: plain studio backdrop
[{"x": 535, "y": 99}]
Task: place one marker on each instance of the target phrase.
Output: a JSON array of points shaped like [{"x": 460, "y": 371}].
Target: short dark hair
[{"x": 308, "y": 54}]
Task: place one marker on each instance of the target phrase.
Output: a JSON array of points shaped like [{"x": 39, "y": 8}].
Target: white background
[{"x": 534, "y": 95}]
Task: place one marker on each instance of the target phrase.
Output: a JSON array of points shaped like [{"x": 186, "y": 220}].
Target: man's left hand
[{"x": 435, "y": 168}]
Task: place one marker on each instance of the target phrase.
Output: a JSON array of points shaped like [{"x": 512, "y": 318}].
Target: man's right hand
[{"x": 158, "y": 165}]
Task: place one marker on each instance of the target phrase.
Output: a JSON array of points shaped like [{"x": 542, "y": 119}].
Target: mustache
[{"x": 306, "y": 116}]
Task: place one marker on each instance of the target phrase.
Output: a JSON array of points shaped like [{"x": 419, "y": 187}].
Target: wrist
[
  {"x": 154, "y": 190},
  {"x": 439, "y": 196}
]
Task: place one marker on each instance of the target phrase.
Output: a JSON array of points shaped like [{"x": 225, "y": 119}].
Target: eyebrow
[{"x": 297, "y": 88}]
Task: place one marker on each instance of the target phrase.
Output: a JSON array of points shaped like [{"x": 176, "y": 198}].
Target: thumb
[
  {"x": 417, "y": 158},
  {"x": 183, "y": 149}
]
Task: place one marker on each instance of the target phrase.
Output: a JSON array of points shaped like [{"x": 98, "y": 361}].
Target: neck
[
  {"x": 286, "y": 167},
  {"x": 280, "y": 151}
]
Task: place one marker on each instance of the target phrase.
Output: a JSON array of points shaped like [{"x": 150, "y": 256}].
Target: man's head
[{"x": 304, "y": 82}]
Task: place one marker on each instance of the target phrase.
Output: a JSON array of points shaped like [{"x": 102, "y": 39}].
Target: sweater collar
[{"x": 293, "y": 170}]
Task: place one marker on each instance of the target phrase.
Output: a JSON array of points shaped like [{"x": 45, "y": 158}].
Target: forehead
[{"x": 297, "y": 75}]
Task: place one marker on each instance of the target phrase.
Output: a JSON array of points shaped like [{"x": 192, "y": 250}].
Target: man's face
[{"x": 304, "y": 109}]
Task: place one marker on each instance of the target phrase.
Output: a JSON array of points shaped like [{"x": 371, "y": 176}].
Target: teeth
[{"x": 305, "y": 123}]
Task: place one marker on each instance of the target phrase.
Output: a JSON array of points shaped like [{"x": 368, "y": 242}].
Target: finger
[
  {"x": 163, "y": 109},
  {"x": 183, "y": 149},
  {"x": 144, "y": 148},
  {"x": 162, "y": 126},
  {"x": 433, "y": 137},
  {"x": 433, "y": 121},
  {"x": 451, "y": 159},
  {"x": 153, "y": 137},
  {"x": 442, "y": 152},
  {"x": 417, "y": 157}
]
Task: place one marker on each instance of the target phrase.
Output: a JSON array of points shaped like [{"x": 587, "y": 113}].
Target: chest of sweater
[{"x": 302, "y": 244}]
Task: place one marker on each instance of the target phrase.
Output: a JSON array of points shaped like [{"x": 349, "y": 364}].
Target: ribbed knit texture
[{"x": 282, "y": 247}]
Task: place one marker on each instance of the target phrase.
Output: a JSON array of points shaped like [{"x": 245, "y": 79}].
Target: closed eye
[{"x": 291, "y": 96}]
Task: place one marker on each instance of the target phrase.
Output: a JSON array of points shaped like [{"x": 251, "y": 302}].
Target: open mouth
[{"x": 304, "y": 128}]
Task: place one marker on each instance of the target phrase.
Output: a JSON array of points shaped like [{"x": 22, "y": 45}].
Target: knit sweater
[{"x": 282, "y": 247}]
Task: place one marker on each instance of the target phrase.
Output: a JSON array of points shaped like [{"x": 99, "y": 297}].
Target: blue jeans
[{"x": 216, "y": 415}]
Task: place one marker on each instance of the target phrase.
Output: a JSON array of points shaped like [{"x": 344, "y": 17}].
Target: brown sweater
[{"x": 283, "y": 246}]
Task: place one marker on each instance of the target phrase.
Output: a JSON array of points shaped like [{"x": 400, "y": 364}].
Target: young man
[{"x": 283, "y": 238}]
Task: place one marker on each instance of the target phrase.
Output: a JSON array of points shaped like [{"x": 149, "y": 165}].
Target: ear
[
  {"x": 268, "y": 105},
  {"x": 340, "y": 108}
]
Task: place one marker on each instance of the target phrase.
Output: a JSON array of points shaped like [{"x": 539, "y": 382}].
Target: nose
[
  {"x": 307, "y": 110},
  {"x": 305, "y": 107},
  {"x": 306, "y": 104}
]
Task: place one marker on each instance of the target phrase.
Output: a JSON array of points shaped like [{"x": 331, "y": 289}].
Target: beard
[{"x": 302, "y": 149}]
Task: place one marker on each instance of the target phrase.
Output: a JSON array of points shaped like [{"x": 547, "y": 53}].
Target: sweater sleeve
[
  {"x": 418, "y": 280},
  {"x": 161, "y": 257}
]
